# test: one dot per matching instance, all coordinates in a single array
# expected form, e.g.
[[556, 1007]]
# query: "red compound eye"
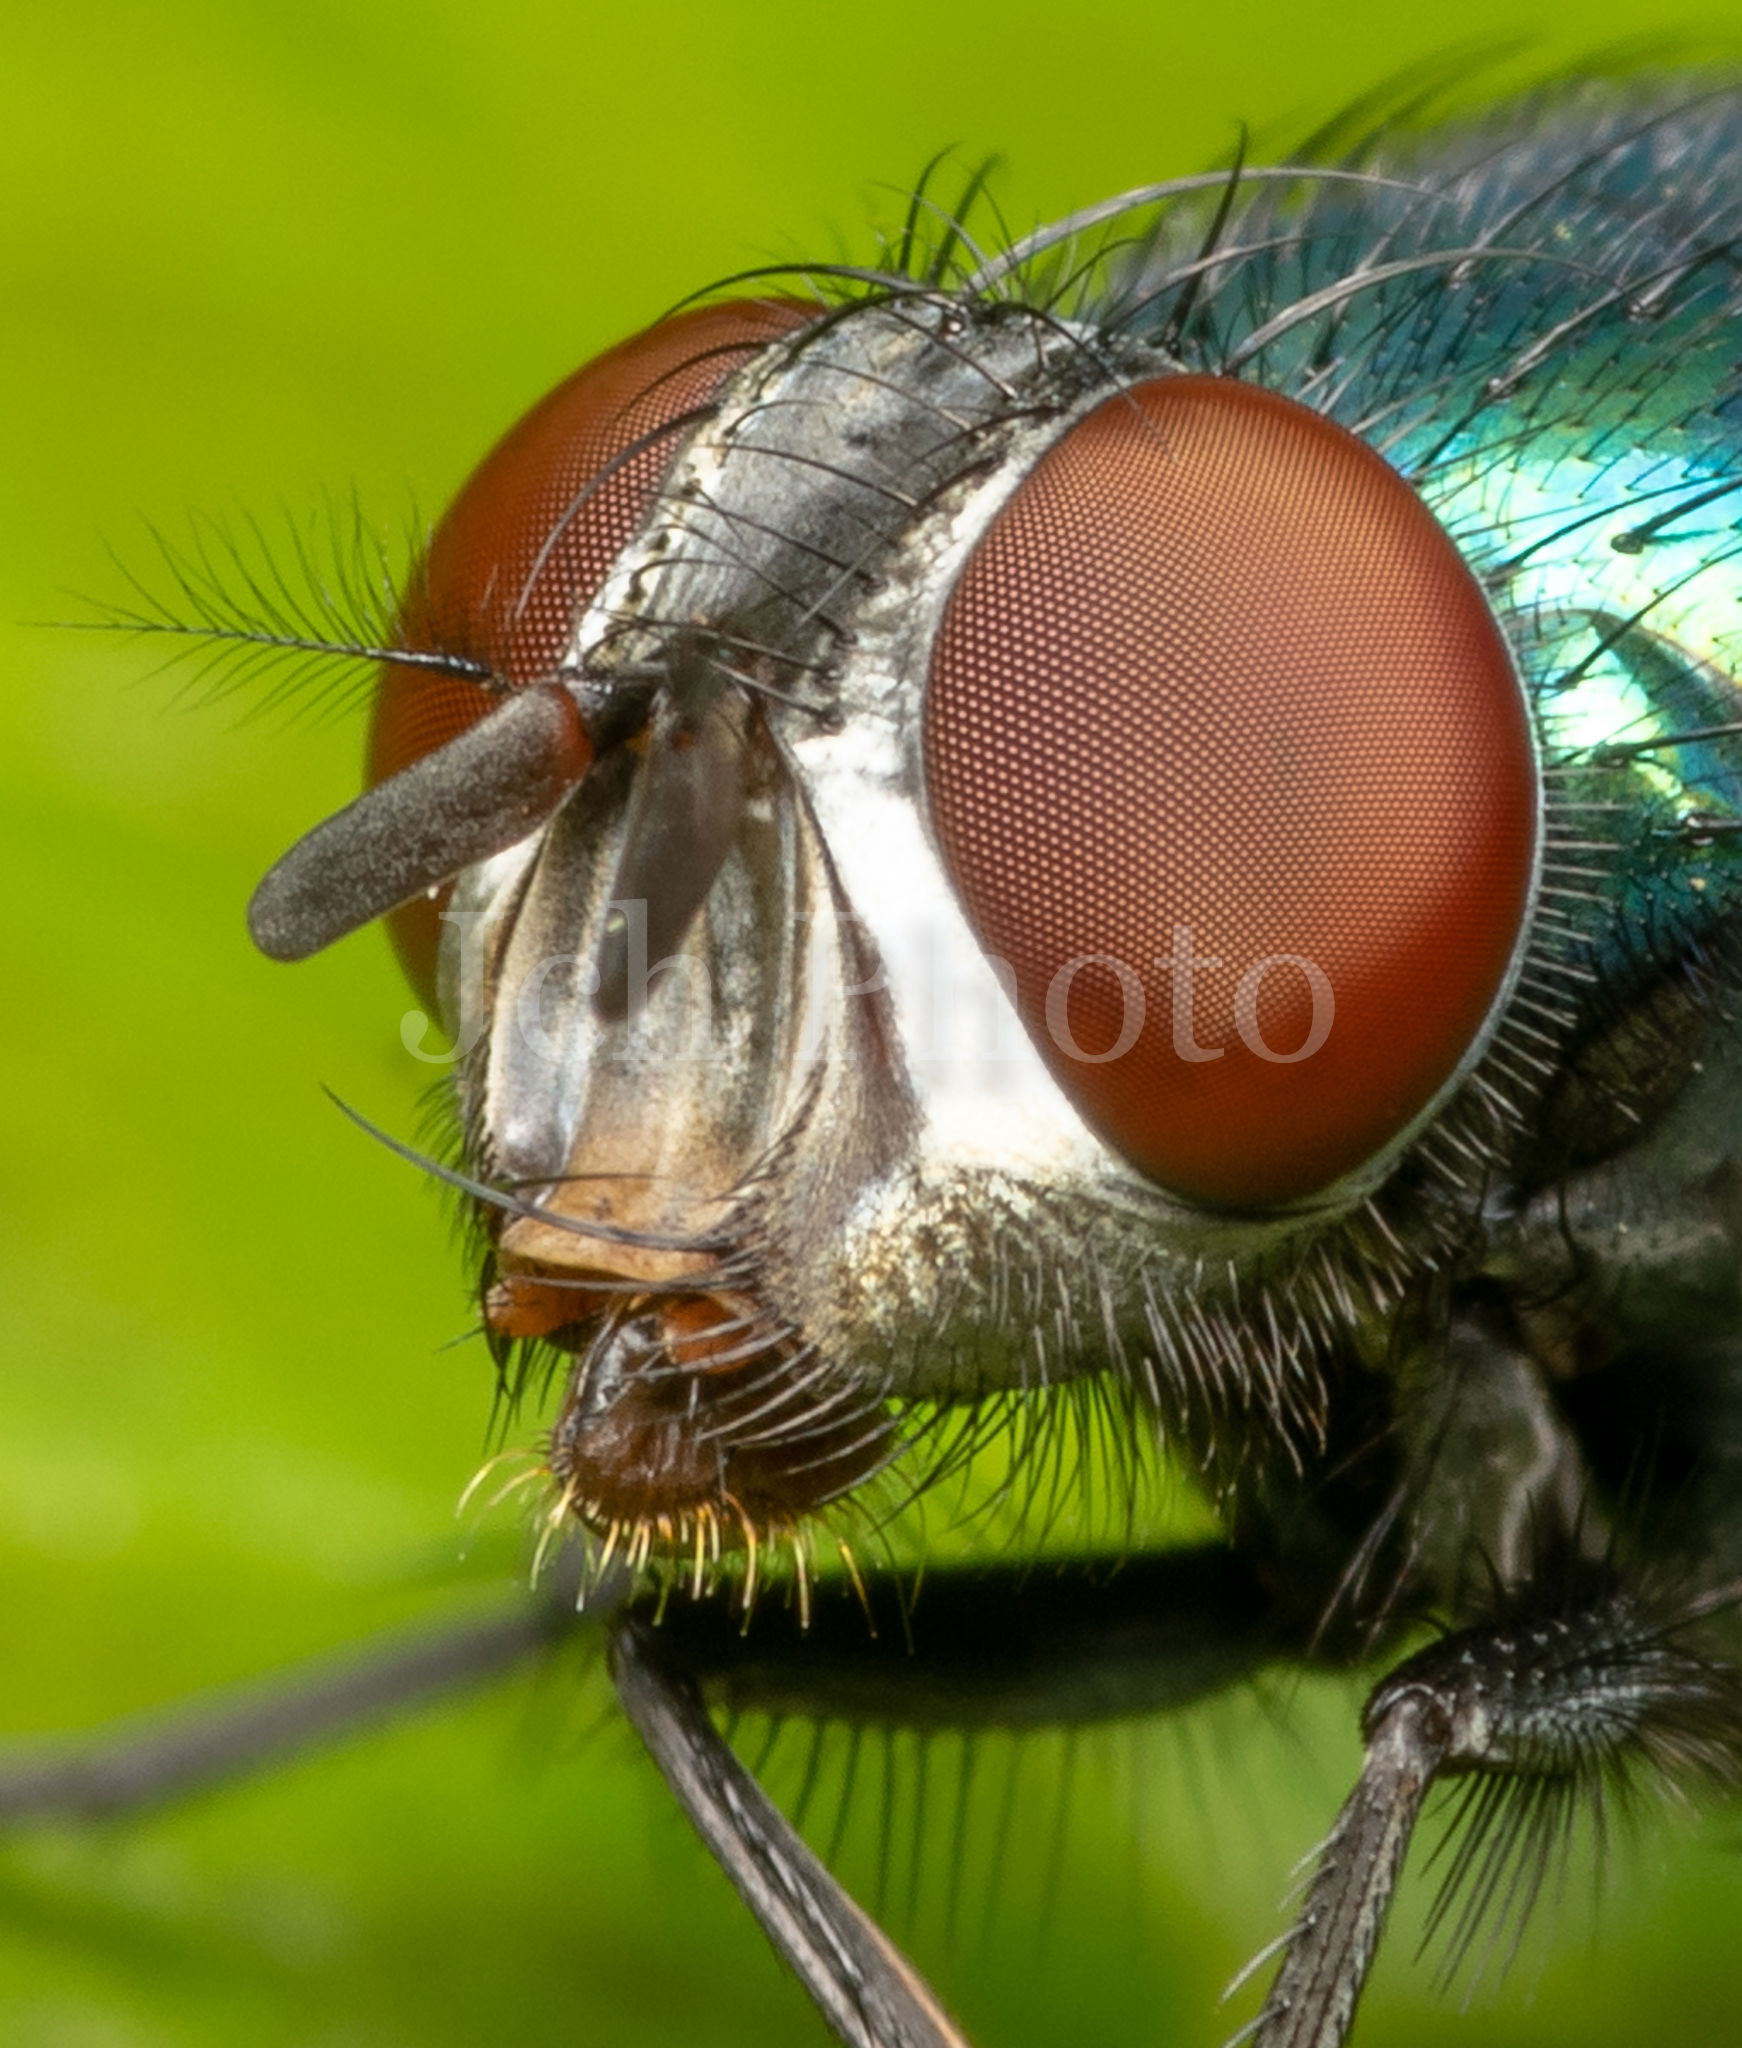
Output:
[[1228, 761], [526, 537]]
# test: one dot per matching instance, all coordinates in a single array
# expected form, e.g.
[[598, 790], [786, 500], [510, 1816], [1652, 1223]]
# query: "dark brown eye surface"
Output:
[[536, 526], [1228, 762]]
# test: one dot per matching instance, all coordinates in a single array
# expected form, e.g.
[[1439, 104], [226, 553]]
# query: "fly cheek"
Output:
[[1229, 764], [533, 533]]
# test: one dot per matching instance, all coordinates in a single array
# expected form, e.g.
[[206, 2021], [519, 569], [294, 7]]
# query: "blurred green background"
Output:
[[260, 254]]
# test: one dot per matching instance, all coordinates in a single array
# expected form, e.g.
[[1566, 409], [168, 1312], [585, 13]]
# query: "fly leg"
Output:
[[1011, 1647], [145, 1761], [1544, 1711], [866, 1989]]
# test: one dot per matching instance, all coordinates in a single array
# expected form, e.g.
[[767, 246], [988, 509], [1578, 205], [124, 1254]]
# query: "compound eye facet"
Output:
[[1229, 763], [537, 526]]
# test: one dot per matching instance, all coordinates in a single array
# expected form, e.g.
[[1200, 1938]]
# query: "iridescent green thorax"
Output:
[[1557, 373]]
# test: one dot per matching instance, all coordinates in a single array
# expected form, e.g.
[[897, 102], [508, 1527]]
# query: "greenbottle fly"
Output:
[[1158, 810]]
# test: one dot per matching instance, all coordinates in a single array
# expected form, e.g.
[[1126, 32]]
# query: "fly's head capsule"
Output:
[[955, 856]]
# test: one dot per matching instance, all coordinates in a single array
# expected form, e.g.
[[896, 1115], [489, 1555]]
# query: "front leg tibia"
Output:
[[1003, 1647], [1537, 1713]]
